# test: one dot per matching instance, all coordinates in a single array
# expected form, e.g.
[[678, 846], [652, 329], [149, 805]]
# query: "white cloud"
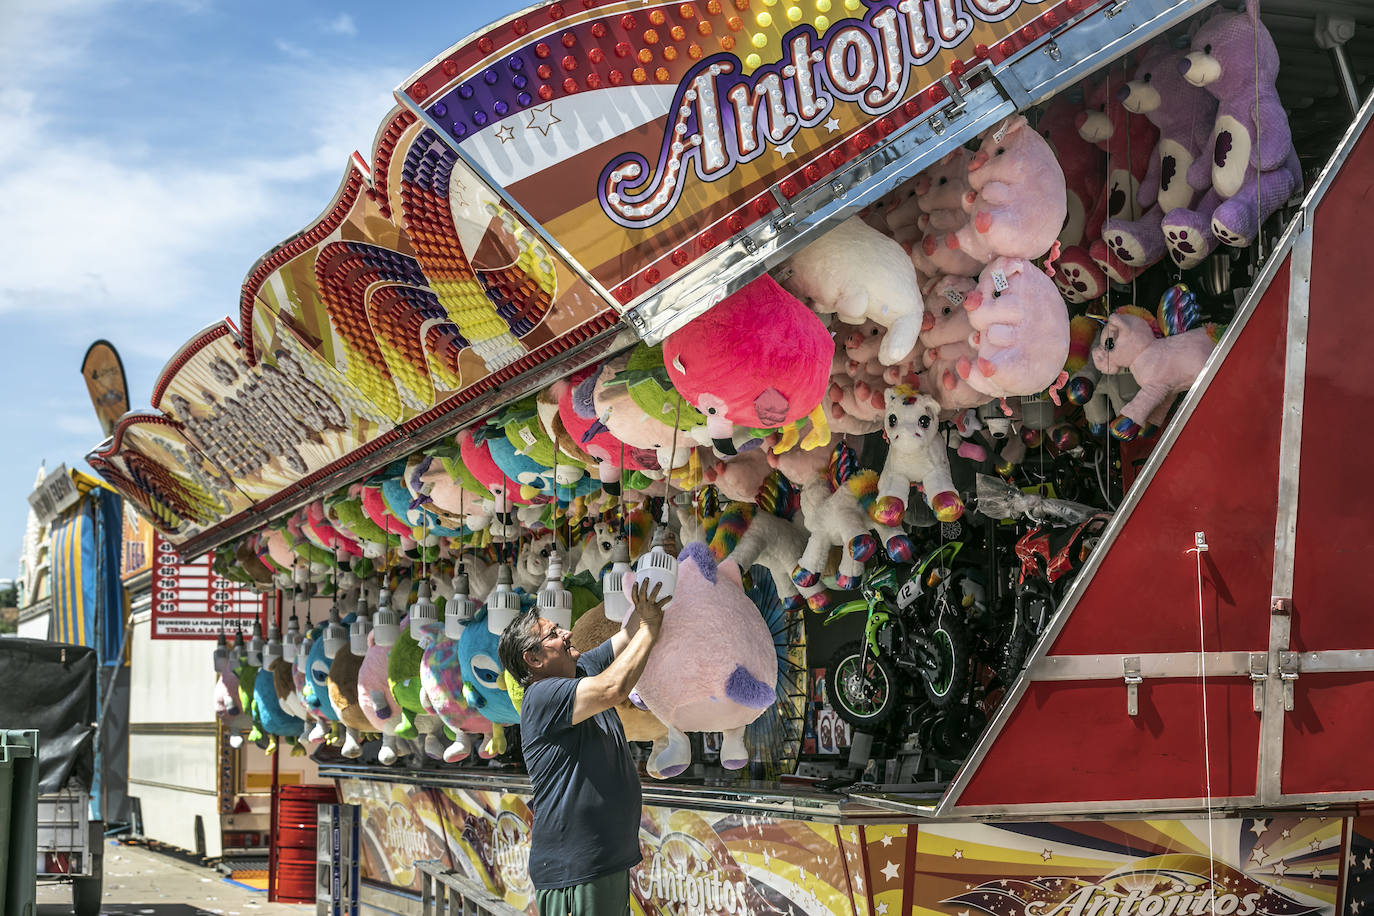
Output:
[[292, 50], [342, 25]]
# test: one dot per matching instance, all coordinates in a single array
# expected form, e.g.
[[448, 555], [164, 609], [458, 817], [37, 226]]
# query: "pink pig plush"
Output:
[[946, 342], [1162, 367], [1184, 114], [758, 359], [1016, 201], [1020, 329], [940, 192]]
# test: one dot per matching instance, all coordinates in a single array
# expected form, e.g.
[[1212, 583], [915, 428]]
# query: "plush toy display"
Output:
[[617, 410], [577, 410], [1163, 367], [272, 719], [1184, 114], [1020, 330], [376, 701], [758, 359], [1083, 167], [484, 680], [1253, 162], [441, 674], [859, 274], [714, 668], [1015, 202], [343, 696]]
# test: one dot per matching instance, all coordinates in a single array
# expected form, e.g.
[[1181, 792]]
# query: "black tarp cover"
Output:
[[51, 687]]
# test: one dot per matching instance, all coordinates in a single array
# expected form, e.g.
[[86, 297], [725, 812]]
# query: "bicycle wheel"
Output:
[[863, 688], [945, 677]]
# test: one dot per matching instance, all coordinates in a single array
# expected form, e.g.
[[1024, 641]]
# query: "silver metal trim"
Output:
[[1093, 808], [1270, 761], [1328, 661], [1148, 666], [1328, 175]]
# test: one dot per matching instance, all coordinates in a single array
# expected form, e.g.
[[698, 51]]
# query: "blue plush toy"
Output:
[[484, 682], [272, 719]]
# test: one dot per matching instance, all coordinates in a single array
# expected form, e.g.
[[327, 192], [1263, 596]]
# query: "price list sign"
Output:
[[191, 602]]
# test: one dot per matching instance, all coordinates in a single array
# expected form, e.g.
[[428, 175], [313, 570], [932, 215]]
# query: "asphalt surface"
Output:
[[141, 882]]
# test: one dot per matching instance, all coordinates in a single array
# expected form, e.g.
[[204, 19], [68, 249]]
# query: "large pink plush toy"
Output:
[[1020, 330], [1163, 367], [1184, 114], [1254, 167], [758, 359], [1015, 202], [946, 343], [916, 455], [376, 701], [714, 669], [859, 274]]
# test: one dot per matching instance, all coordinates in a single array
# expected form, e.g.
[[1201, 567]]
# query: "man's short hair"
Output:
[[521, 635]]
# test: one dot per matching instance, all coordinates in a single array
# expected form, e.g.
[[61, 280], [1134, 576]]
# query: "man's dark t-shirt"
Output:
[[587, 798]]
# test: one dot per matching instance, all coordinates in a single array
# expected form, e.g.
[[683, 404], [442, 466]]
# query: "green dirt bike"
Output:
[[915, 629]]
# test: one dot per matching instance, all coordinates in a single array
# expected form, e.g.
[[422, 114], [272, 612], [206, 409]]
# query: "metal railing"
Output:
[[444, 892]]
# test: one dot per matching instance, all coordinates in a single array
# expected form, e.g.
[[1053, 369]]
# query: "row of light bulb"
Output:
[[554, 603]]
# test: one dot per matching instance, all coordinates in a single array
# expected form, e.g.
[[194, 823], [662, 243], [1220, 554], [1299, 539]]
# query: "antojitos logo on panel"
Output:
[[511, 849], [1172, 885], [682, 875], [721, 117]]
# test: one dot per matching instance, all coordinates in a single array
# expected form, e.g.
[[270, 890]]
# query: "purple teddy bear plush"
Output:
[[1184, 114], [1254, 167]]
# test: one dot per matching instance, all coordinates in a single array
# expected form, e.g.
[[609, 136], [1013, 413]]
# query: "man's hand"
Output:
[[648, 605]]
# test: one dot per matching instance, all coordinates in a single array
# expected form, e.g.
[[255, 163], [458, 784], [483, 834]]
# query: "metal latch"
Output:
[[1131, 664], [1259, 673], [1117, 8], [1288, 673]]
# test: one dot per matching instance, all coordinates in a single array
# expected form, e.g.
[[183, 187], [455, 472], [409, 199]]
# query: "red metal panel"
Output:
[[1220, 477], [1074, 742], [1335, 515], [1326, 744]]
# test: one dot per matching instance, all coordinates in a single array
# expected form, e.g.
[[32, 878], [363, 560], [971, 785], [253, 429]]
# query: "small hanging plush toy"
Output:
[[758, 359], [916, 455], [1163, 367], [1253, 163], [940, 192], [376, 701], [945, 343], [714, 669]]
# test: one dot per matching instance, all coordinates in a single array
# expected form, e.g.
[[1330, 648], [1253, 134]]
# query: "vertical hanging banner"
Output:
[[104, 374], [192, 601], [88, 601]]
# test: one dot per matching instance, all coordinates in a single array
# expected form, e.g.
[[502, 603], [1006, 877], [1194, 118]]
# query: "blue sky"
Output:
[[150, 151]]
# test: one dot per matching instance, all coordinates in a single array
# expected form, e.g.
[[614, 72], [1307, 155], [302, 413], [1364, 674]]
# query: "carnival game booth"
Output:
[[971, 367]]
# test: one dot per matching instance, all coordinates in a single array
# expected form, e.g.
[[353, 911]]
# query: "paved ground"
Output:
[[140, 882]]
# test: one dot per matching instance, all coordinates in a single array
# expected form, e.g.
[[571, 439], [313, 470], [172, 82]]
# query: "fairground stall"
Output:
[[981, 375]]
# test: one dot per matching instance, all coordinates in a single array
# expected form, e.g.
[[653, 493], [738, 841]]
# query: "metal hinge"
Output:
[[1259, 673], [1288, 673], [1131, 666]]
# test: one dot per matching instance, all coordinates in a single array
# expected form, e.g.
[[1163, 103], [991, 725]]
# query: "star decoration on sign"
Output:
[[887, 839], [541, 119], [958, 853], [1316, 873], [1047, 855], [832, 125], [1315, 845], [1286, 833], [1258, 855], [882, 909], [505, 133], [1367, 862], [1279, 868], [890, 871], [1350, 858], [1259, 826], [1355, 905], [785, 149]]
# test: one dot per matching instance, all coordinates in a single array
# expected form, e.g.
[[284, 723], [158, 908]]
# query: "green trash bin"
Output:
[[18, 820]]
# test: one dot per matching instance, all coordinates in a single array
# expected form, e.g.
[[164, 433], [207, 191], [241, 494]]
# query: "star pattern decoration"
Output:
[[1046, 855], [1316, 873], [958, 853], [1259, 826], [1315, 845], [887, 839], [1258, 855], [1367, 862], [882, 909], [785, 149], [1279, 868], [505, 133], [832, 125], [541, 119], [890, 871], [1355, 905], [1286, 833]]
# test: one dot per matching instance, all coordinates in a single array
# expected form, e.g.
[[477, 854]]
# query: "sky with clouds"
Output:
[[150, 152]]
